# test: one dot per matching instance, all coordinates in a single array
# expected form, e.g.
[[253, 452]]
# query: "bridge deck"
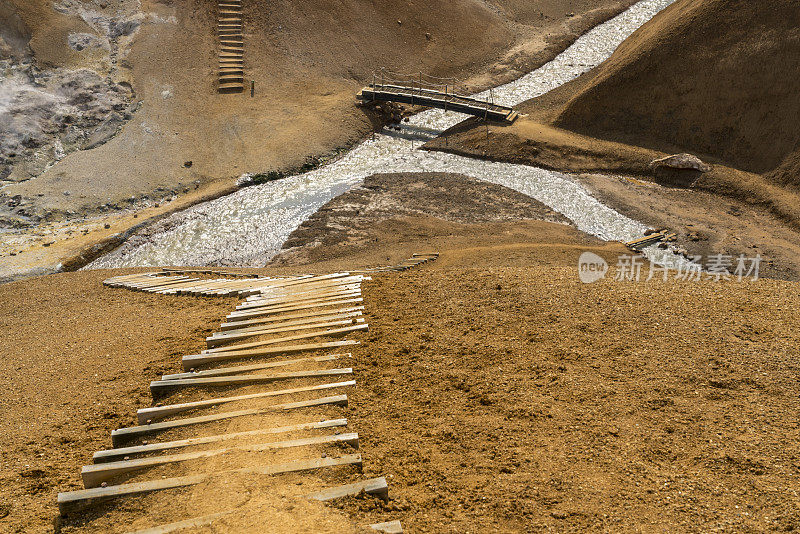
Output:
[[437, 99]]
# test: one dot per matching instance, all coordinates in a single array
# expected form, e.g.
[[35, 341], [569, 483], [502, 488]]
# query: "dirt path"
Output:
[[498, 392]]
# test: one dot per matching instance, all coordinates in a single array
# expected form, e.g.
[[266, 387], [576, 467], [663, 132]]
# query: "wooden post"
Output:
[[252, 88]]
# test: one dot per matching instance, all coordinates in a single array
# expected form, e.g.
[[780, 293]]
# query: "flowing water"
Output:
[[244, 228]]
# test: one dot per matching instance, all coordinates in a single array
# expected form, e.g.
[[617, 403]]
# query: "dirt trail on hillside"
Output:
[[496, 392]]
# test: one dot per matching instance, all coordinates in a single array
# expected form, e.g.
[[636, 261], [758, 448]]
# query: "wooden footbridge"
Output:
[[288, 333], [432, 94]]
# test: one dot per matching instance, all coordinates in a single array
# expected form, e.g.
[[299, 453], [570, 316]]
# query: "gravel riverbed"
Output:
[[243, 228]]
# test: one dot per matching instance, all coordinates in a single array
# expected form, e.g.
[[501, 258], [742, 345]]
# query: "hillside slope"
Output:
[[718, 78], [307, 59]]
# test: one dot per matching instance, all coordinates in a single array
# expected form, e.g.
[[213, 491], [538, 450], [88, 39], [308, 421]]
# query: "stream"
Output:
[[248, 227]]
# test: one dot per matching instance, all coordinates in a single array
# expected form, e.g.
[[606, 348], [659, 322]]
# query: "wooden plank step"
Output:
[[70, 500], [230, 88], [318, 300], [272, 311], [95, 474], [231, 79], [340, 290], [222, 371], [212, 342], [148, 415], [122, 435], [312, 315], [159, 386], [111, 455], [373, 486], [299, 294], [247, 330], [193, 361], [306, 285], [323, 333]]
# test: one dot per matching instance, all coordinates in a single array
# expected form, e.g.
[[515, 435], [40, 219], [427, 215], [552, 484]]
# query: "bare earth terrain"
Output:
[[497, 392], [713, 78], [179, 141]]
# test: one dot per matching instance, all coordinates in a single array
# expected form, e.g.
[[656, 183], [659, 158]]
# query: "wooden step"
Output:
[[68, 501], [157, 386], [193, 361], [230, 88], [95, 474], [122, 435], [146, 416], [111, 455], [373, 486]]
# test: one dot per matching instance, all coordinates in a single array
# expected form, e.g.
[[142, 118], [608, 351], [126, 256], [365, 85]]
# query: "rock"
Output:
[[119, 28], [82, 41], [105, 131], [681, 161]]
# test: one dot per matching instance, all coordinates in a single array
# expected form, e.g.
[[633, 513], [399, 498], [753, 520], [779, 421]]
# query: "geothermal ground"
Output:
[[394, 314]]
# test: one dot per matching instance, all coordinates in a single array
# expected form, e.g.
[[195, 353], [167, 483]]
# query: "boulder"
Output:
[[681, 161]]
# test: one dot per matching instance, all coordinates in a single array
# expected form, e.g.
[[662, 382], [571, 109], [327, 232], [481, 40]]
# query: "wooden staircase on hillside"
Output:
[[231, 46]]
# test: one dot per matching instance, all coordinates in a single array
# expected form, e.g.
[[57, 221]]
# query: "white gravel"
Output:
[[249, 226]]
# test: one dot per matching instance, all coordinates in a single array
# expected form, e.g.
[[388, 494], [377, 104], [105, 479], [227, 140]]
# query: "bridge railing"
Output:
[[385, 79]]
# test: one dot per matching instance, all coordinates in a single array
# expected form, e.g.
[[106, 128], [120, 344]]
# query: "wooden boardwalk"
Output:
[[230, 35], [286, 329], [433, 98]]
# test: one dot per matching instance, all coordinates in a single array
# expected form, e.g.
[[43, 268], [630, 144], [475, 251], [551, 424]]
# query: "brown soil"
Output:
[[496, 392], [725, 211], [77, 361], [308, 61], [348, 221], [678, 84], [716, 78]]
